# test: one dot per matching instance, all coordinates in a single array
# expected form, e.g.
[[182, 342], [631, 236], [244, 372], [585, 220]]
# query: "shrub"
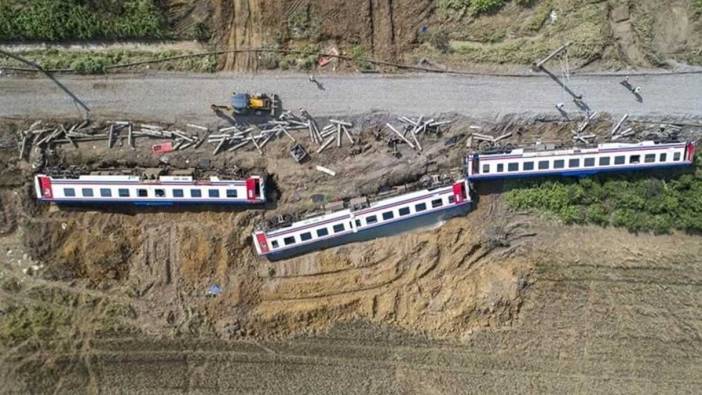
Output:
[[90, 65], [486, 6], [201, 32], [57, 20], [637, 203], [358, 54], [439, 39], [452, 5]]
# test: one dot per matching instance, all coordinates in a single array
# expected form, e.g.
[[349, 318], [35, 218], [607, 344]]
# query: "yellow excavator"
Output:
[[244, 103]]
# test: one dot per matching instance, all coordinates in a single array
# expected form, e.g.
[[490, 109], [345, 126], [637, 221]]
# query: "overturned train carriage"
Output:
[[138, 190], [384, 217], [605, 158]]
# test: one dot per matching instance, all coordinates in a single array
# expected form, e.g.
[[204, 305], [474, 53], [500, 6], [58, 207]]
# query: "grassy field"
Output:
[[96, 62], [640, 203], [57, 20]]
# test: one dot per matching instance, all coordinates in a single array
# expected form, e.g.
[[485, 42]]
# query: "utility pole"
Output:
[[51, 77]]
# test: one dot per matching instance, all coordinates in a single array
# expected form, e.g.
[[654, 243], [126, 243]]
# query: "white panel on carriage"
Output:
[[176, 179], [103, 178]]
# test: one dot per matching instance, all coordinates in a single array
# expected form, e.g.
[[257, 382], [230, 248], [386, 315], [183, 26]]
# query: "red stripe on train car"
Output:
[[459, 191], [45, 186], [251, 188], [262, 242]]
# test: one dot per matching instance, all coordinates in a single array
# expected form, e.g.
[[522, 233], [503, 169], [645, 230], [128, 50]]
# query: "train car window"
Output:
[[87, 192], [452, 198], [404, 211], [513, 167], [274, 244], [213, 193], [663, 157], [358, 223], [178, 193], [500, 167], [69, 192], [650, 158], [289, 240], [371, 220], [436, 203], [589, 162], [559, 163], [634, 159], [338, 228], [676, 156], [306, 236], [105, 192], [160, 193], [619, 160], [486, 168], [604, 161], [543, 165], [420, 207], [387, 215], [528, 166], [573, 163], [321, 232], [123, 192], [196, 193], [231, 193], [142, 193]]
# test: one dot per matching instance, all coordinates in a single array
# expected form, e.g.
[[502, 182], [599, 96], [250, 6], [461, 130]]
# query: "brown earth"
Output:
[[605, 33], [116, 298]]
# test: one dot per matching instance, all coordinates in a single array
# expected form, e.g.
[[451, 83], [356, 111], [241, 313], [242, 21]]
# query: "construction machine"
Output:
[[244, 104]]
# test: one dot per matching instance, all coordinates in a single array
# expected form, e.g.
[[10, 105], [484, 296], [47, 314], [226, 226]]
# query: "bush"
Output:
[[303, 25], [90, 65], [201, 32], [58, 20], [452, 5], [358, 54], [637, 203], [486, 6], [440, 40]]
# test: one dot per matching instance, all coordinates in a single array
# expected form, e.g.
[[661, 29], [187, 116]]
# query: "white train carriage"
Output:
[[166, 190], [610, 157], [382, 218]]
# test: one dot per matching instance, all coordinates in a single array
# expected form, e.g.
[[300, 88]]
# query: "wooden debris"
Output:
[[326, 170]]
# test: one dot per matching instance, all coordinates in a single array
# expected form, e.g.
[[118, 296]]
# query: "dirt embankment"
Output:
[[605, 34], [82, 289], [520, 303]]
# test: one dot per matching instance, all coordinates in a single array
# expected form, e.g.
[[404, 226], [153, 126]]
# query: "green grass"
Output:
[[96, 62], [638, 202], [446, 7], [486, 6], [59, 20]]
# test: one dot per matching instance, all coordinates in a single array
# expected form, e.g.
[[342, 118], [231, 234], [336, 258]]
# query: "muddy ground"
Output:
[[115, 299]]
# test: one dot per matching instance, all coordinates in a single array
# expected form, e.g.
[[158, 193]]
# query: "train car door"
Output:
[[473, 165], [45, 187], [262, 242], [253, 188], [690, 152], [459, 192]]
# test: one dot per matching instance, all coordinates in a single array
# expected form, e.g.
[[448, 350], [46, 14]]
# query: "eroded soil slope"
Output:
[[611, 33]]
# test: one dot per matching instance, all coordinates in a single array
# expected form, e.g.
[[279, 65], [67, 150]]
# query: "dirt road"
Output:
[[183, 97]]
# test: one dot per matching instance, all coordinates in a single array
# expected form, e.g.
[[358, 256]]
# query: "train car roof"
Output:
[[585, 150]]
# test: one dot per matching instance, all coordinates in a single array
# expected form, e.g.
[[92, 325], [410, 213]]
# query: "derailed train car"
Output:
[[178, 188]]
